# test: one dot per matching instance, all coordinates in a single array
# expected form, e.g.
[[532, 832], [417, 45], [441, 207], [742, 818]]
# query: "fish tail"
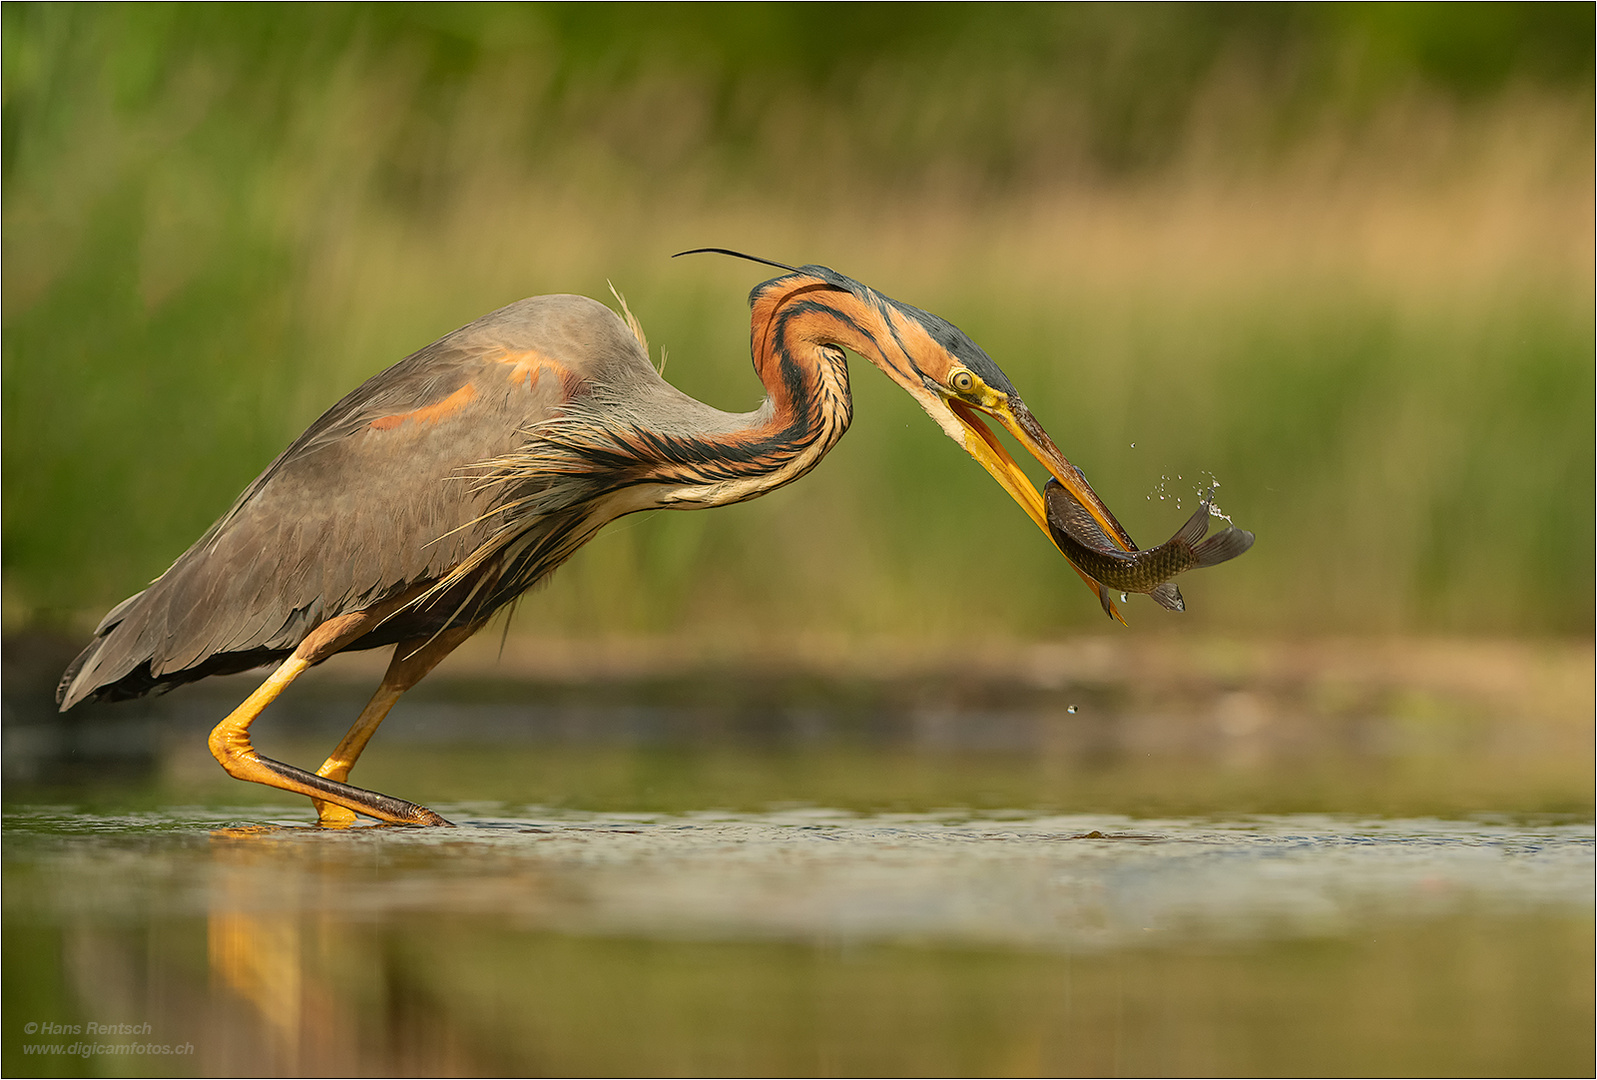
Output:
[[1222, 546], [1169, 597]]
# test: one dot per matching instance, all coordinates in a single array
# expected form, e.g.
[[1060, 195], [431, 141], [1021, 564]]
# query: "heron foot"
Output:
[[230, 740], [346, 797], [231, 747], [332, 816]]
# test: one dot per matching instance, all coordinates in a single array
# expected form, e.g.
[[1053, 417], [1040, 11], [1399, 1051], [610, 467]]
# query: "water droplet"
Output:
[[1122, 598], [1133, 446], [1071, 710]]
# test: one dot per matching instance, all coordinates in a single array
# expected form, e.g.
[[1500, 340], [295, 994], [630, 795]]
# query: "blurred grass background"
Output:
[[1339, 257]]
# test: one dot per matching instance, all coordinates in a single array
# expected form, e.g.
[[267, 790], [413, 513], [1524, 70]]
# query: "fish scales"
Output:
[[1135, 572]]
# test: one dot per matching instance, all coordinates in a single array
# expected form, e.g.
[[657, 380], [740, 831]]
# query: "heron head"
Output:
[[949, 375], [957, 384]]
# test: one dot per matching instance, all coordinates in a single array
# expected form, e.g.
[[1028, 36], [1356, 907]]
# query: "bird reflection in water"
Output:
[[253, 940]]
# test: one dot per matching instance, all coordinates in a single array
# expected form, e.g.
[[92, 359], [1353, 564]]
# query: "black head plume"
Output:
[[736, 255]]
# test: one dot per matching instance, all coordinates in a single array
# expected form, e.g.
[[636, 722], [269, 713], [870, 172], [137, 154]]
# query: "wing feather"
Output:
[[368, 501]]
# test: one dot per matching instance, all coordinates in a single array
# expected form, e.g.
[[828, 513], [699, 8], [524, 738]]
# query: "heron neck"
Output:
[[807, 409]]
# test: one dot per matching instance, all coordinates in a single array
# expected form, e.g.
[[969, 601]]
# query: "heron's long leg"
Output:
[[412, 660], [230, 740]]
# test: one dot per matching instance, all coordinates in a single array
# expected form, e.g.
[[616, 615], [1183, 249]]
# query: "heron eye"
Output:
[[963, 381]]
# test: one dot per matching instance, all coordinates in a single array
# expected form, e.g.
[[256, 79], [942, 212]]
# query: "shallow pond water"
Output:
[[802, 941], [1164, 871]]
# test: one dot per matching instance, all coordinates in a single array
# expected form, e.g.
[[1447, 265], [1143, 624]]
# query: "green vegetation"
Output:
[[1339, 257]]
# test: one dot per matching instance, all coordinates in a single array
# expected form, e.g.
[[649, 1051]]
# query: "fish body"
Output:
[[1084, 542]]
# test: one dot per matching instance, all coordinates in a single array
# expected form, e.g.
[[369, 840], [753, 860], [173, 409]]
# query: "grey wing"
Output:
[[369, 500]]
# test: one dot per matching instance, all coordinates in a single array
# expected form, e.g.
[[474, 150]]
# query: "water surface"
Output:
[[802, 940], [1318, 863]]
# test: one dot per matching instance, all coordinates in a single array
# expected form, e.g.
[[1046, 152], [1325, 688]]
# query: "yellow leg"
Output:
[[230, 740], [412, 660]]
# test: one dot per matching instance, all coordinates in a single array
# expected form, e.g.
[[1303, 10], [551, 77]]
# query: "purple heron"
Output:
[[447, 485]]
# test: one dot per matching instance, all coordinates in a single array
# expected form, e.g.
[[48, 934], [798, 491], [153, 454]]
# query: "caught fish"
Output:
[[1083, 541]]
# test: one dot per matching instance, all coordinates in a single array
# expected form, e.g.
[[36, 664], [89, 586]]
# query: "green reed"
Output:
[[1362, 302]]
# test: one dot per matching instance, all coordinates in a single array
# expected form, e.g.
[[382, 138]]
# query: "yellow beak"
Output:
[[983, 445]]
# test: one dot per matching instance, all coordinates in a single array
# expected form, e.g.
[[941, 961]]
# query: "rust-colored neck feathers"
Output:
[[796, 325], [799, 326]]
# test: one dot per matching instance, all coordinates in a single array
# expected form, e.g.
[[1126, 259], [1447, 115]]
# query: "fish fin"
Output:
[[1169, 596], [1106, 597], [1198, 524], [1107, 600], [1222, 546], [1066, 513]]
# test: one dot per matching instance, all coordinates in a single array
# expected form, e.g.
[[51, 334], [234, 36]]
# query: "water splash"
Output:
[[1212, 486], [1161, 490], [1165, 490]]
